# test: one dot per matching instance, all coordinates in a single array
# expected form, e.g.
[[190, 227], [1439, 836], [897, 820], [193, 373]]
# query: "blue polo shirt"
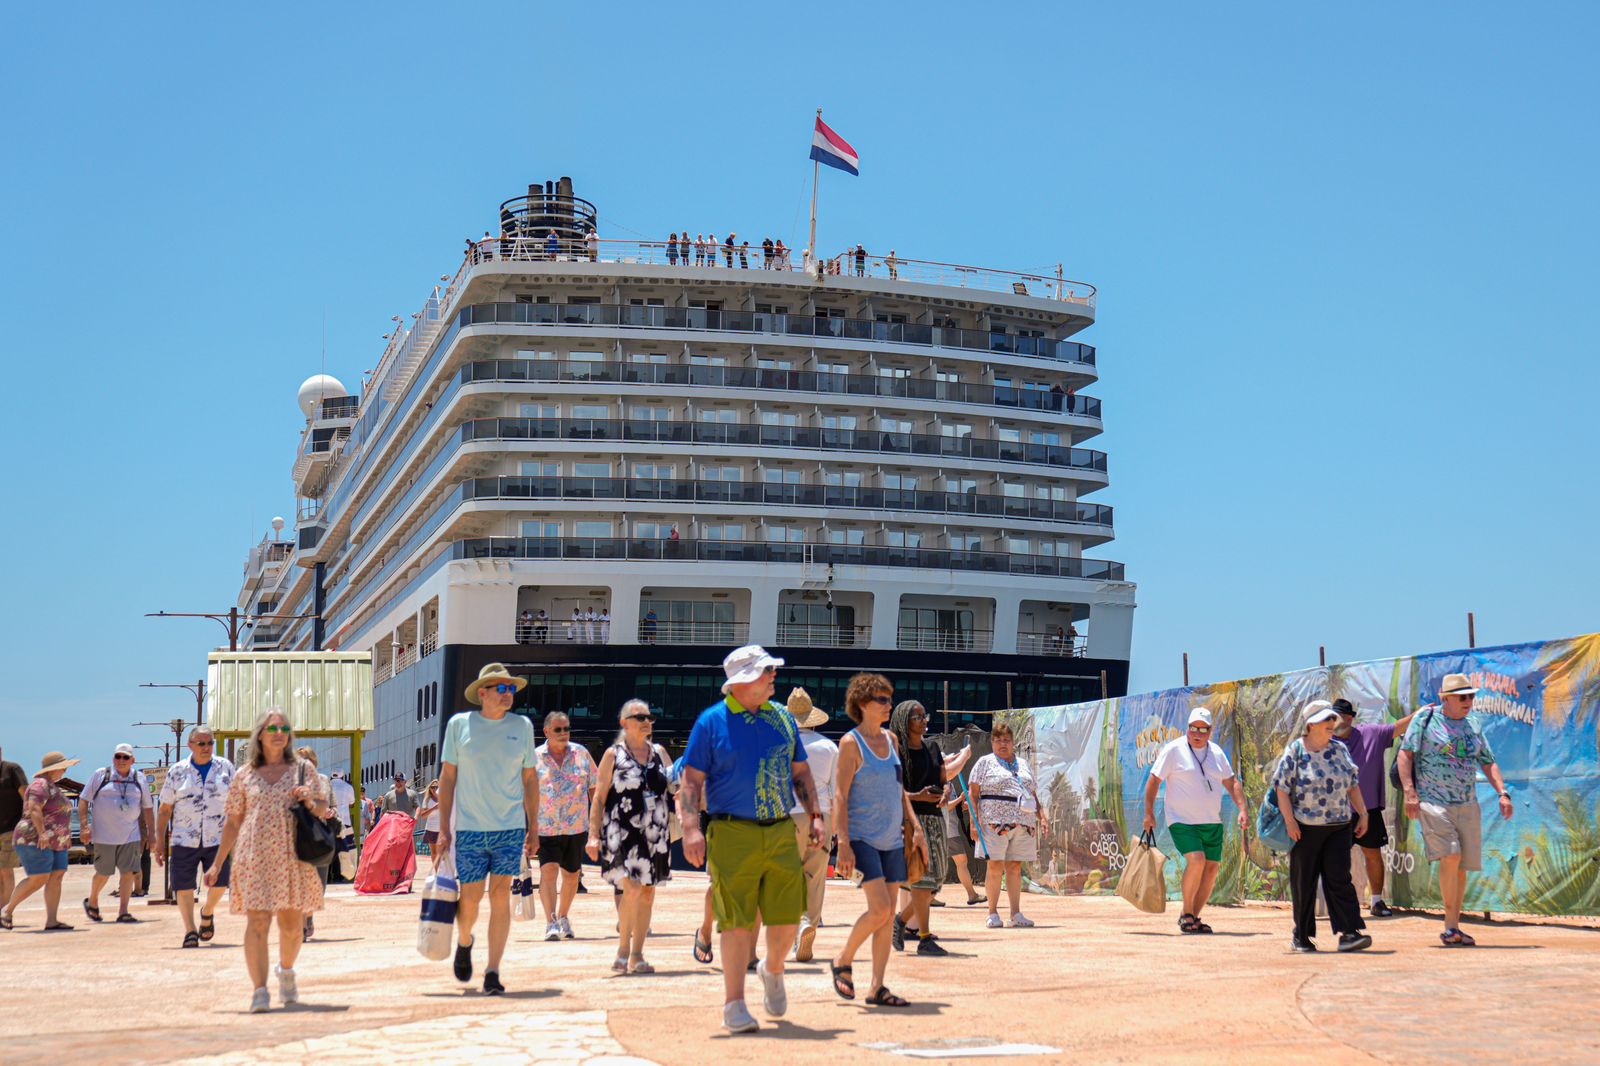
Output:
[[747, 758]]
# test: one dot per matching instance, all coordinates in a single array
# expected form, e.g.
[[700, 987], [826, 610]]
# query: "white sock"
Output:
[[1375, 898]]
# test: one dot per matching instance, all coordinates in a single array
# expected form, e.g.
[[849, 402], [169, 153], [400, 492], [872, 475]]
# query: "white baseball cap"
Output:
[[1318, 711], [1200, 714], [747, 664], [124, 749]]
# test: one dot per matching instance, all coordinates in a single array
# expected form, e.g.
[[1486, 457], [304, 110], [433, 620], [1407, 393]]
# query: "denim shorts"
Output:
[[479, 854], [38, 861], [878, 865]]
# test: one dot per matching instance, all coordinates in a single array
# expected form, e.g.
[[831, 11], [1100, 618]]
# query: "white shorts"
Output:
[[1456, 830]]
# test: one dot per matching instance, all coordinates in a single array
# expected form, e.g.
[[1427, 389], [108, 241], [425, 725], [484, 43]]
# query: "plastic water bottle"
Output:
[[436, 931]]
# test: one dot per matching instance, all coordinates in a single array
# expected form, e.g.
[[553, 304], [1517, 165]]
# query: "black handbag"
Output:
[[1394, 767], [316, 840]]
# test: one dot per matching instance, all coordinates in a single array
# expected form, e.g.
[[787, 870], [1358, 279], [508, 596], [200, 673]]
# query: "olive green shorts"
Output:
[[755, 872]]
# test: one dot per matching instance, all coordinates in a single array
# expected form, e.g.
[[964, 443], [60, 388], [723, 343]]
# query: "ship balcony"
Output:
[[725, 634], [706, 320], [1060, 643], [953, 639], [1083, 461]]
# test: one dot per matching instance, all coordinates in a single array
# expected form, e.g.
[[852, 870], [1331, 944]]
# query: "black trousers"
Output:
[[1323, 855]]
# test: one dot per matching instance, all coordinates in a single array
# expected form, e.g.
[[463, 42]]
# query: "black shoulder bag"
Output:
[[1394, 767], [315, 839]]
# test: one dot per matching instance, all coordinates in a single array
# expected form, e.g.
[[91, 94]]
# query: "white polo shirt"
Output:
[[1194, 781], [822, 755]]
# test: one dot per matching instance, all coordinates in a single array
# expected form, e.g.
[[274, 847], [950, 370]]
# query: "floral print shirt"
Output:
[[1448, 753], [564, 790], [1318, 783], [46, 796], [199, 804]]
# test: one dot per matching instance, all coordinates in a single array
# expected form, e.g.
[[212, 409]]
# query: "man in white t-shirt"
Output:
[[344, 801], [1196, 772], [822, 755], [117, 816]]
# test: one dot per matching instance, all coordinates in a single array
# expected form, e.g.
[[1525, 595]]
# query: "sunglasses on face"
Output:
[[559, 729], [640, 718], [203, 743], [1199, 729], [123, 758], [276, 729], [505, 689], [876, 699]]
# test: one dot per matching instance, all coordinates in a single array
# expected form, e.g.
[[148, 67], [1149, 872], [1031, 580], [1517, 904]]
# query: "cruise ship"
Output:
[[607, 463]]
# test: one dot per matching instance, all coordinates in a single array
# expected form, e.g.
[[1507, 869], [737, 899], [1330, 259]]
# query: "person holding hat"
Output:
[[117, 814], [488, 797], [822, 756], [1367, 743], [1438, 764], [1196, 772], [42, 840], [1316, 785], [746, 761]]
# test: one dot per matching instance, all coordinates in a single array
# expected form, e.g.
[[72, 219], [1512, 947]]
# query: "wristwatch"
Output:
[[1505, 795]]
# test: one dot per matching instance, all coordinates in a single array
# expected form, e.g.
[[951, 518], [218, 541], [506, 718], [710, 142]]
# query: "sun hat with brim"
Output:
[[806, 714], [1318, 711], [493, 674], [747, 664], [1457, 685], [55, 760]]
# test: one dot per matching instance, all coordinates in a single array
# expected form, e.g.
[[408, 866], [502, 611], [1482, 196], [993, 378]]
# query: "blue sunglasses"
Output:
[[505, 689]]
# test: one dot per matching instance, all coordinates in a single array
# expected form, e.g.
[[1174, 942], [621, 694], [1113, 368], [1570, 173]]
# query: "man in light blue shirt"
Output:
[[488, 797]]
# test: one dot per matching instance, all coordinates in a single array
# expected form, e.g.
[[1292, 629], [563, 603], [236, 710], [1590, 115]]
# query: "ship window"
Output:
[[847, 536], [590, 410], [541, 528], [591, 469], [591, 529]]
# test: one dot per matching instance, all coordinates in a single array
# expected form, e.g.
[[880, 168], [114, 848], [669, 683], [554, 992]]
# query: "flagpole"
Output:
[[816, 171]]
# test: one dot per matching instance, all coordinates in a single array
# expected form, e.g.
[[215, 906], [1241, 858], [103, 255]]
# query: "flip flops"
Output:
[[92, 912], [702, 950], [57, 927]]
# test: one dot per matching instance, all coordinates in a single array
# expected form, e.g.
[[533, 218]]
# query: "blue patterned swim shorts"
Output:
[[479, 854]]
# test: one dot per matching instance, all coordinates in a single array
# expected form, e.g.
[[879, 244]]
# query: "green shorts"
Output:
[[1193, 838], [755, 871]]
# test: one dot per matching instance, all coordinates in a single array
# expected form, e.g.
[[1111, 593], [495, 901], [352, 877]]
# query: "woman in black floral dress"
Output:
[[628, 832]]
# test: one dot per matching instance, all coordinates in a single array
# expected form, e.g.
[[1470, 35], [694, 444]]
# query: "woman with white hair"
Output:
[[268, 882], [1317, 787], [628, 830]]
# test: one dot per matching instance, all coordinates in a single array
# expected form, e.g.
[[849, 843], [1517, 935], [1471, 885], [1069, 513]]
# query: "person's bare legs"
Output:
[[643, 905], [709, 919], [125, 891], [876, 918], [738, 946], [291, 927], [548, 890], [257, 924], [993, 875], [186, 908], [1194, 872], [626, 909], [8, 885], [1452, 889], [28, 887], [52, 896], [569, 892], [467, 912], [1373, 857], [780, 941], [1014, 887], [213, 897], [964, 874], [1208, 882], [499, 919], [881, 942], [97, 885], [921, 908]]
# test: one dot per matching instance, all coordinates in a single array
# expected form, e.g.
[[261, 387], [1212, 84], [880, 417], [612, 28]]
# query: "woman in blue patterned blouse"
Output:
[[1318, 791]]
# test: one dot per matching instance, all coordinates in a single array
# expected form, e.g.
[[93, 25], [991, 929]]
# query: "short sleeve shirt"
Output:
[[344, 797], [822, 755], [564, 790], [1193, 781], [489, 756], [1318, 783], [199, 804], [747, 757], [12, 783], [1006, 793], [57, 811], [1367, 743], [1448, 754], [115, 811]]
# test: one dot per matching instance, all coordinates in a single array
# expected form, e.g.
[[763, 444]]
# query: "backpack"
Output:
[[105, 779]]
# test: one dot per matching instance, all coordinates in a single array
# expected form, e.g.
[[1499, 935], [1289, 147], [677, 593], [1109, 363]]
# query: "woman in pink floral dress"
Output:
[[267, 878]]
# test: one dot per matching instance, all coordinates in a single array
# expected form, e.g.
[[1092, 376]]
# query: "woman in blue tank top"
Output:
[[869, 807]]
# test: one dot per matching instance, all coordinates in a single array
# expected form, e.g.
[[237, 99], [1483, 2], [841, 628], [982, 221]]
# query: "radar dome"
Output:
[[317, 388]]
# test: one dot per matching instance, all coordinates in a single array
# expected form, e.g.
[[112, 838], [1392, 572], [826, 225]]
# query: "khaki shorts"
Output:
[[1454, 830], [755, 870], [112, 859], [1019, 844], [8, 852]]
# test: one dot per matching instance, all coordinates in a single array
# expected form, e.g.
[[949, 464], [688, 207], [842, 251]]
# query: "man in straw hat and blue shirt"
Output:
[[1438, 762], [488, 796], [746, 760]]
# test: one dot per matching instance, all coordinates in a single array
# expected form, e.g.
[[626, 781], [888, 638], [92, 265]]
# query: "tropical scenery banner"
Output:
[[1537, 705]]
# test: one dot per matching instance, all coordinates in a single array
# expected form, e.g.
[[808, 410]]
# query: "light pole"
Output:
[[199, 691], [231, 619]]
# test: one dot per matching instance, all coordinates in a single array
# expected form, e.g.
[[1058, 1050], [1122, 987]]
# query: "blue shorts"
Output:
[[186, 863], [38, 861], [878, 865], [480, 854]]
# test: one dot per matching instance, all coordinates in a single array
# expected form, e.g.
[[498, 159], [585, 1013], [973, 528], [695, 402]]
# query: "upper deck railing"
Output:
[[1054, 286]]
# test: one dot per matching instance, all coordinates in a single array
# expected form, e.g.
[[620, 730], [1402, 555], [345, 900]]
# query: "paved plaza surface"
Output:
[[1096, 980]]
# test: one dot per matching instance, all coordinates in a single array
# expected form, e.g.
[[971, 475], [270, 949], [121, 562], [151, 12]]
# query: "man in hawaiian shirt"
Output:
[[194, 802], [567, 780]]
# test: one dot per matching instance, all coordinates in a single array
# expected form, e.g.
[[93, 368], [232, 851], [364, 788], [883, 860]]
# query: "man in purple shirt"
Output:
[[1367, 743]]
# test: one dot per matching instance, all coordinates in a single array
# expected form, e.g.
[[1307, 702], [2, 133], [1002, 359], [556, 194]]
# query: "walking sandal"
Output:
[[844, 982], [885, 998]]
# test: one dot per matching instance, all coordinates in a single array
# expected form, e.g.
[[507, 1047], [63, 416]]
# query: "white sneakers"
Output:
[[774, 998], [566, 927], [260, 1002], [995, 922], [1020, 921], [736, 1018], [288, 992], [553, 930], [803, 945]]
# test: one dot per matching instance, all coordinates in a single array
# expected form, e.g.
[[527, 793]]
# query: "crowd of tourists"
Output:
[[761, 799]]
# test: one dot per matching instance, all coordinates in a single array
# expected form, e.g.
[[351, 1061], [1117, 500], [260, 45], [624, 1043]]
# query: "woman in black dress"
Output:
[[628, 832]]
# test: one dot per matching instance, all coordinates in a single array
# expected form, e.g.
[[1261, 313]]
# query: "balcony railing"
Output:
[[807, 635], [705, 319], [638, 430], [809, 381], [564, 631], [1050, 642], [686, 254], [657, 631], [781, 495], [919, 639], [619, 549]]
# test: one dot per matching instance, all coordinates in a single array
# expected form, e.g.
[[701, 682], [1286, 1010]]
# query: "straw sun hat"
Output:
[[808, 715]]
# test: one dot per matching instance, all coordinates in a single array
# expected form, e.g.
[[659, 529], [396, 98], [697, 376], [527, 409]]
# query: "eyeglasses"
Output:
[[640, 718], [123, 758], [919, 716], [203, 743], [276, 729], [505, 689], [559, 729]]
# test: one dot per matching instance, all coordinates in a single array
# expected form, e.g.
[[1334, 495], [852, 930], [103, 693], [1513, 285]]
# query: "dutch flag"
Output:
[[830, 148]]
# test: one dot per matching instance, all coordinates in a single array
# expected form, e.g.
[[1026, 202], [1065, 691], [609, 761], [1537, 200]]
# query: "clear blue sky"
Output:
[[1346, 257]]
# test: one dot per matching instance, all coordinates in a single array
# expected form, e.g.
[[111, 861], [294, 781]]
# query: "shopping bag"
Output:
[[1270, 827], [524, 903], [1144, 881], [440, 896]]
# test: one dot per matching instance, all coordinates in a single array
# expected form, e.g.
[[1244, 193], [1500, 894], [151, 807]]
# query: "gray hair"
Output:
[[553, 715], [622, 730], [199, 730]]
